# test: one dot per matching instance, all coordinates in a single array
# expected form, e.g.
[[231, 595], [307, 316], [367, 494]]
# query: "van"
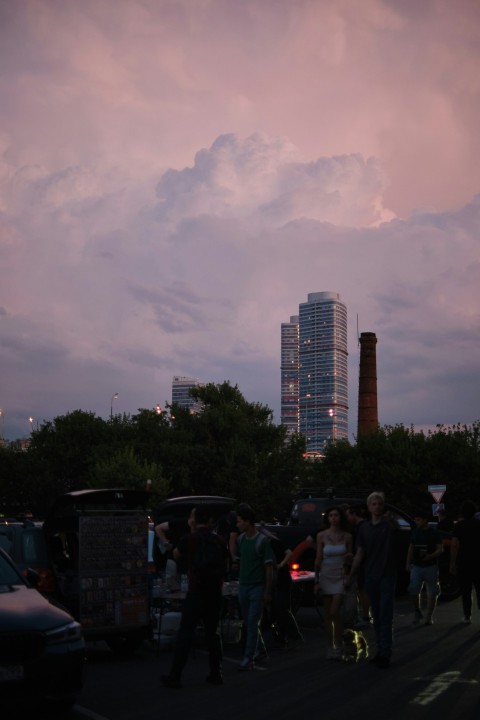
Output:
[[98, 545]]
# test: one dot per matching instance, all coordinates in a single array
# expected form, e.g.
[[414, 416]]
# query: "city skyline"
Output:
[[314, 371], [174, 177]]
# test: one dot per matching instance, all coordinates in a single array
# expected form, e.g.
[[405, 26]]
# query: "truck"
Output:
[[97, 542]]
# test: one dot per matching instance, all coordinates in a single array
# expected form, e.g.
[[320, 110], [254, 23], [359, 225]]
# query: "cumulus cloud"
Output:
[[261, 177], [176, 178]]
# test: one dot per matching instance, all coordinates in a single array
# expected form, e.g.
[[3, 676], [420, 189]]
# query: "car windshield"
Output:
[[8, 574]]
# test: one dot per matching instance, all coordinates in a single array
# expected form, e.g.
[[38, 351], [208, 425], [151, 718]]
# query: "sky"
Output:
[[176, 176]]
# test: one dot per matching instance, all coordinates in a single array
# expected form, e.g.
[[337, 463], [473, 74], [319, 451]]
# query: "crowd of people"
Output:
[[355, 574]]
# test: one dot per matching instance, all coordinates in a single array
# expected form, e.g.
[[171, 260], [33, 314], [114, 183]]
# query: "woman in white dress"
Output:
[[334, 551]]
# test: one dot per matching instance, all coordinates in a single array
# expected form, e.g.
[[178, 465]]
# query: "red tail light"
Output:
[[46, 583], [295, 566]]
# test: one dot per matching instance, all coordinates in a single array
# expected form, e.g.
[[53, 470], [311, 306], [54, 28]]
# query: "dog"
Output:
[[355, 646]]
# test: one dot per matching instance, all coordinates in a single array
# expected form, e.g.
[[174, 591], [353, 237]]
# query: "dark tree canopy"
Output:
[[232, 447]]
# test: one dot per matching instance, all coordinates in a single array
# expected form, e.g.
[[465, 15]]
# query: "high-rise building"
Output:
[[322, 370], [289, 375], [181, 386]]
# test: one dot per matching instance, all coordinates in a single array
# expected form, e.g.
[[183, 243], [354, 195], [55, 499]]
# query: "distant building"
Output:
[[320, 378], [181, 386]]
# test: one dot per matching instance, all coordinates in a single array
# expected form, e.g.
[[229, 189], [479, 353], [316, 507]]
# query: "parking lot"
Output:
[[434, 673]]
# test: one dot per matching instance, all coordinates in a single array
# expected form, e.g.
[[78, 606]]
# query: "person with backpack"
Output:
[[255, 584], [205, 556]]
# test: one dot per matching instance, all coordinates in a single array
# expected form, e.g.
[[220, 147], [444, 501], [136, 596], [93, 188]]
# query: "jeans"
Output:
[[251, 607], [428, 575], [381, 593], [199, 606]]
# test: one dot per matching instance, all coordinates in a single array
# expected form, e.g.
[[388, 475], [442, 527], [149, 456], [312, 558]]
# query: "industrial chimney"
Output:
[[367, 386]]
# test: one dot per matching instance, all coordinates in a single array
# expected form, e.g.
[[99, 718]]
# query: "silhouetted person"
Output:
[[465, 557]]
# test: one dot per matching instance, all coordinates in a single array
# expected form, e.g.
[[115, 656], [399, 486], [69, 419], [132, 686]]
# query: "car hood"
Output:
[[24, 608]]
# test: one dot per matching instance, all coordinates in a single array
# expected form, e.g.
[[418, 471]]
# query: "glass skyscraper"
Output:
[[289, 375], [322, 371]]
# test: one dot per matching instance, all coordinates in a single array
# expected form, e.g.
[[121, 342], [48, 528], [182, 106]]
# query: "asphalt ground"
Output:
[[434, 674]]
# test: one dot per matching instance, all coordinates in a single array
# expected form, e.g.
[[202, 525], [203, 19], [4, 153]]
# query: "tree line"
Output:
[[233, 448]]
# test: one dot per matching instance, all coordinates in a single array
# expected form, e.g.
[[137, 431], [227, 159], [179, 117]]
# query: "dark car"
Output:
[[181, 507], [42, 648], [24, 541]]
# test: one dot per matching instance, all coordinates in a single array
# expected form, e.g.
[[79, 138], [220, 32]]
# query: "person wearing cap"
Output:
[[422, 563]]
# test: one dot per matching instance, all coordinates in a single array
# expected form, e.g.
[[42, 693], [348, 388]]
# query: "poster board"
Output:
[[113, 583]]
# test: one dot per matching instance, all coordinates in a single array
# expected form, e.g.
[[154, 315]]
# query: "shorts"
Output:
[[428, 575]]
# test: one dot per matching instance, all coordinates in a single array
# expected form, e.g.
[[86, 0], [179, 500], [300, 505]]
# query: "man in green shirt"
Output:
[[255, 583]]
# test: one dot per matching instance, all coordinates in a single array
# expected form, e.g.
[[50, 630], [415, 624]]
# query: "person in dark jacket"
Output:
[[377, 545], [465, 557], [204, 597]]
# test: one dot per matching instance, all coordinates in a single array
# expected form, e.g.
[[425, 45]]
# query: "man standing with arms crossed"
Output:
[[376, 542]]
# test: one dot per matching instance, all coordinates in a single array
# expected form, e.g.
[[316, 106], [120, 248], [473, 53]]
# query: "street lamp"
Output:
[[114, 397], [32, 420]]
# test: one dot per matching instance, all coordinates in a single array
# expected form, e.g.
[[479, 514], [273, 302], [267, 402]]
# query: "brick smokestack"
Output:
[[367, 386]]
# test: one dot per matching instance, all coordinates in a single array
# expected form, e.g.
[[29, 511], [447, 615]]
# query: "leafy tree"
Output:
[[403, 464], [232, 447], [126, 470]]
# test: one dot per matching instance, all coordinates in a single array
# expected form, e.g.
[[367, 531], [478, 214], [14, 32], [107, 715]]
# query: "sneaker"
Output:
[[428, 621], [467, 620], [214, 679], [418, 615], [246, 665], [260, 657], [170, 682]]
